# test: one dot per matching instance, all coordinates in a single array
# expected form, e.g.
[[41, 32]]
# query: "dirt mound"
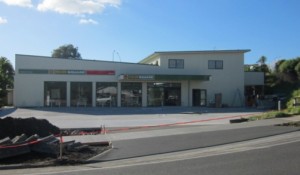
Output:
[[11, 127]]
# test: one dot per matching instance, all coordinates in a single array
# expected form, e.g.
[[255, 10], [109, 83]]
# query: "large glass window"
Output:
[[155, 94], [106, 94], [81, 94], [55, 93], [131, 94], [164, 94]]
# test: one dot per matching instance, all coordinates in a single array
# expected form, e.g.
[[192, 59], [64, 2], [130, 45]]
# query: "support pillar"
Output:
[[68, 94]]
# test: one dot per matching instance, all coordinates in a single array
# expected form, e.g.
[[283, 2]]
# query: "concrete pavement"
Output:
[[176, 130], [129, 117], [172, 139], [157, 140]]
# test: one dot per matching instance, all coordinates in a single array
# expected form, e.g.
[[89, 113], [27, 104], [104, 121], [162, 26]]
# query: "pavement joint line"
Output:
[[91, 160]]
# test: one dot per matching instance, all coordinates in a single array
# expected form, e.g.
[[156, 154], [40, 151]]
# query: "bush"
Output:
[[280, 114], [294, 111], [290, 103], [269, 115]]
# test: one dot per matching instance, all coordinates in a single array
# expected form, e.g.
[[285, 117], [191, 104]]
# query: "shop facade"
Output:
[[181, 78]]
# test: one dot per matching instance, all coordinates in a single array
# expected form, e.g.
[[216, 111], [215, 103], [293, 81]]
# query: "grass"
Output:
[[277, 114]]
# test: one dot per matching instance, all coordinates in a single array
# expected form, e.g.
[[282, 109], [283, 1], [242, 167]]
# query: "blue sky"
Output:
[[137, 28]]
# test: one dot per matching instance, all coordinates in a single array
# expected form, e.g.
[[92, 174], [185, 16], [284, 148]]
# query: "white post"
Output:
[[279, 105]]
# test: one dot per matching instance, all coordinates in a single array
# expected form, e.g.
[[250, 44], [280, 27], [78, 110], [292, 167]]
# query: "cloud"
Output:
[[77, 7], [21, 3], [87, 21], [3, 20]]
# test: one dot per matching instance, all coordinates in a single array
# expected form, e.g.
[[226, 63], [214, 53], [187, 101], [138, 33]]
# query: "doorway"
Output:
[[199, 97]]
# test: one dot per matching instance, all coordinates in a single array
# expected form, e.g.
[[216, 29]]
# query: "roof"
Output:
[[192, 52], [47, 57]]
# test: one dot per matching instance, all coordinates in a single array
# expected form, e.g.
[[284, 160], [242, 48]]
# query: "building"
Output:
[[180, 78]]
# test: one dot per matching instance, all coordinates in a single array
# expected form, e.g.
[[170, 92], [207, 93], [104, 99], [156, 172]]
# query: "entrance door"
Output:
[[172, 96], [199, 97]]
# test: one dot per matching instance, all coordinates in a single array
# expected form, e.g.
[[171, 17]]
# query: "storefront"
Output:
[[188, 78]]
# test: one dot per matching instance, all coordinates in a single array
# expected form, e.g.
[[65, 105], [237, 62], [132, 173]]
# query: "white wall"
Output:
[[29, 88], [226, 81]]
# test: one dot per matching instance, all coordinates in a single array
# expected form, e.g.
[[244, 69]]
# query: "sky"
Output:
[[130, 30]]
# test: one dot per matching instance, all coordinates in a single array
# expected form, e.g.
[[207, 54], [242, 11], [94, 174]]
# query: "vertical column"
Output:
[[94, 94], [119, 94], [68, 94], [144, 94], [189, 93]]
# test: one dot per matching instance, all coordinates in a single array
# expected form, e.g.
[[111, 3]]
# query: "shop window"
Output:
[[81, 94], [215, 64], [131, 94], [106, 94], [163, 94], [55, 94], [176, 63]]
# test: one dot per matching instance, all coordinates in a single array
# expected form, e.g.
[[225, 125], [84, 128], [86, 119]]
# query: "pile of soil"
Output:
[[11, 127], [68, 158]]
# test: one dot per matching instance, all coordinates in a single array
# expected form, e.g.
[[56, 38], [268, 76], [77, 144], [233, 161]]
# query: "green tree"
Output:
[[277, 65], [66, 51], [297, 68], [287, 71], [263, 67], [6, 77], [262, 60]]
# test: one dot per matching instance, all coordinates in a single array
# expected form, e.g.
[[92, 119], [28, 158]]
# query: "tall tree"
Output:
[[287, 71], [262, 64], [297, 68], [66, 51], [6, 76], [262, 60], [277, 65]]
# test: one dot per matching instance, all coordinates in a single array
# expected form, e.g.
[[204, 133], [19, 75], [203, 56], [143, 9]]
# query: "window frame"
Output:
[[176, 63], [215, 64]]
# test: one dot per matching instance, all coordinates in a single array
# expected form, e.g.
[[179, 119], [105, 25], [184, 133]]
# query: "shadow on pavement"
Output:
[[142, 110], [6, 111]]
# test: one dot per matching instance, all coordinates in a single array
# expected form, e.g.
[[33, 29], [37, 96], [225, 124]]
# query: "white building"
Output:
[[180, 78]]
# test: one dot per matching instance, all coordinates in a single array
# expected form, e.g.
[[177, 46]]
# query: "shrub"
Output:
[[294, 111], [296, 93], [269, 115]]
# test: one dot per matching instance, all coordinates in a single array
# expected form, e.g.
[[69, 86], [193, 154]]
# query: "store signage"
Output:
[[67, 72], [100, 72], [136, 77], [162, 77]]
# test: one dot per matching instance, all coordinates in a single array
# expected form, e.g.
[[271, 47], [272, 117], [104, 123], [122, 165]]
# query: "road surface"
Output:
[[274, 155]]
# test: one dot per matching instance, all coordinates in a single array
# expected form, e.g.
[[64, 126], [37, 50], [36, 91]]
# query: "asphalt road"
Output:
[[276, 160], [279, 154], [279, 160], [159, 145]]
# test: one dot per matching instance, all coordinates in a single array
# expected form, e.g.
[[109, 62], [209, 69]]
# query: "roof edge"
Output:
[[193, 52]]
